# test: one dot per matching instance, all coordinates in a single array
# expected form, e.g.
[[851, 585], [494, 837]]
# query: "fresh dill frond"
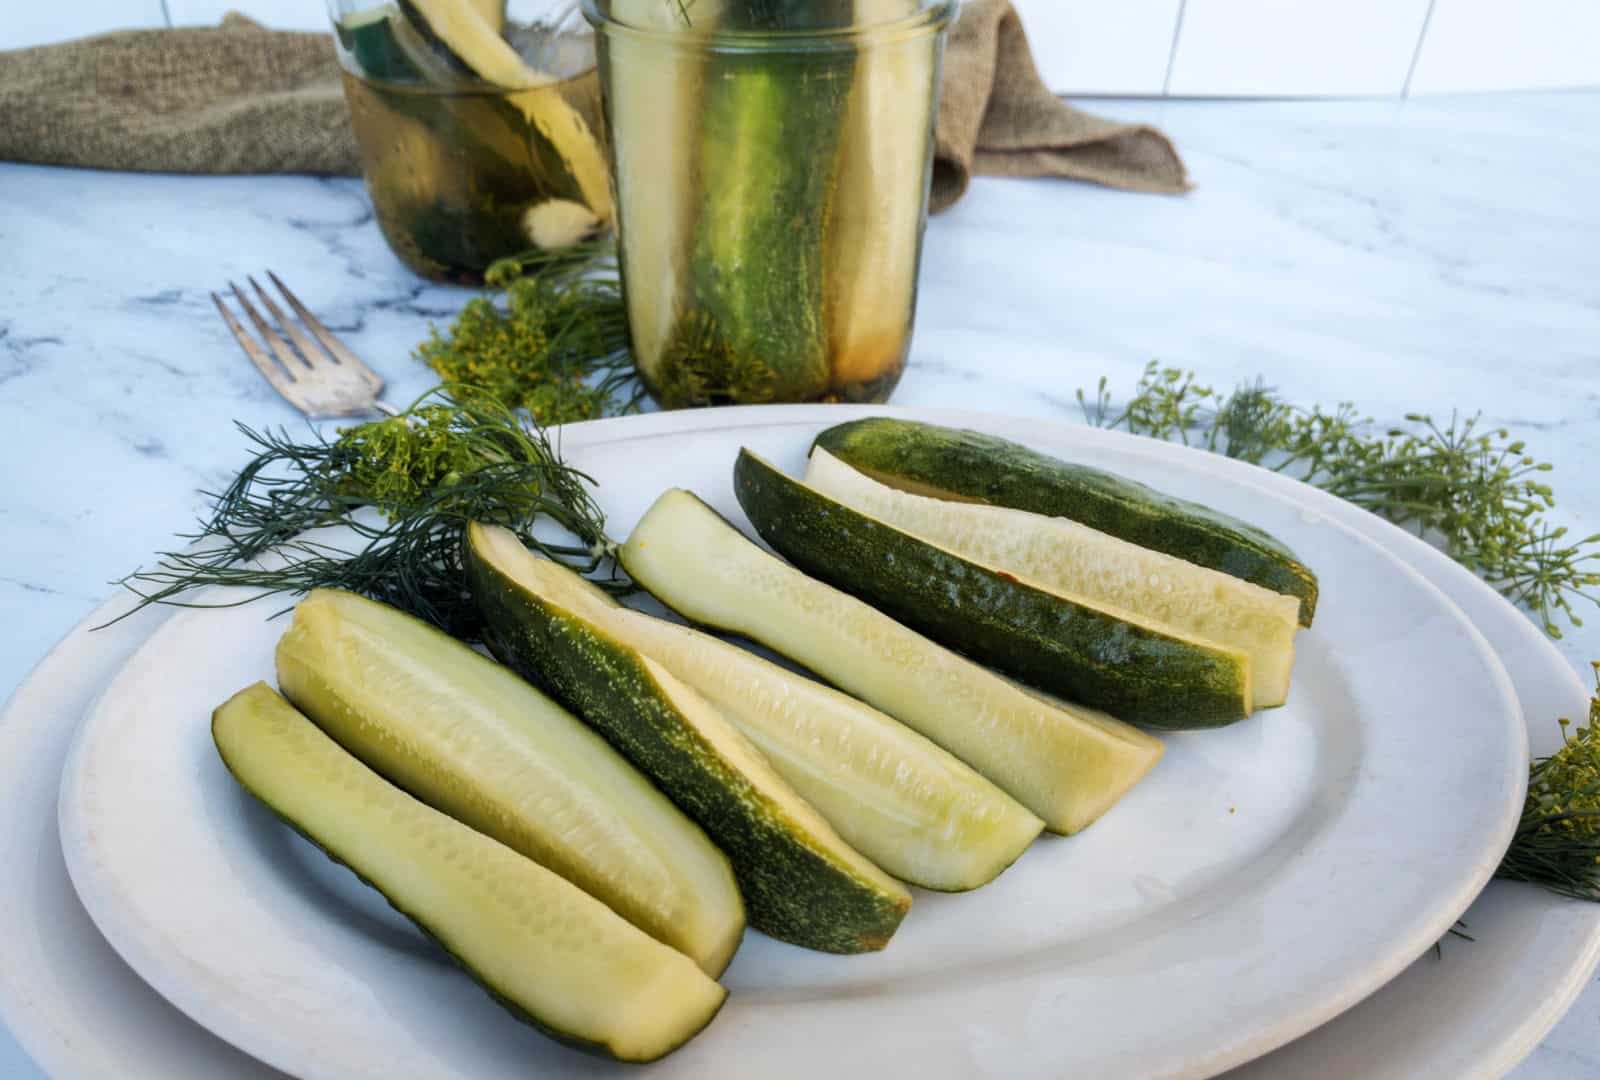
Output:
[[1557, 843], [1475, 493], [553, 350], [555, 343], [405, 487]]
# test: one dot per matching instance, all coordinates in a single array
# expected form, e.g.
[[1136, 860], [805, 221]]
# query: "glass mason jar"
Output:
[[479, 128], [770, 163]]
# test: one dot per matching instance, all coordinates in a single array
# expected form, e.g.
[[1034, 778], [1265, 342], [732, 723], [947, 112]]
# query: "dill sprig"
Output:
[[406, 487], [1557, 843], [556, 344], [1475, 493]]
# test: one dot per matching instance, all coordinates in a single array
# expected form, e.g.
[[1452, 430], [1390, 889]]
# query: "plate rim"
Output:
[[1266, 1033]]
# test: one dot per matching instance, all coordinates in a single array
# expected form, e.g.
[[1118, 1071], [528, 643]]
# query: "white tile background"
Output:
[[1182, 48], [1102, 46], [1297, 48], [1495, 45]]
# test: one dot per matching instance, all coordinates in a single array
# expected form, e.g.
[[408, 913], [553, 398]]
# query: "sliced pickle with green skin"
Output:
[[769, 157], [953, 463], [385, 47], [801, 882], [1135, 671], [462, 32], [544, 949], [369, 39], [1065, 763], [895, 796], [1089, 567], [471, 738]]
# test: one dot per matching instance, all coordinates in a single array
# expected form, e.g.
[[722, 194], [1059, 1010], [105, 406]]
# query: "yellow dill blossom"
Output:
[[1557, 845], [399, 461], [555, 343]]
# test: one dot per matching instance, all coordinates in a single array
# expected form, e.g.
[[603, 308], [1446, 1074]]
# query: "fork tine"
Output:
[[280, 348], [334, 346], [281, 380], [308, 348]]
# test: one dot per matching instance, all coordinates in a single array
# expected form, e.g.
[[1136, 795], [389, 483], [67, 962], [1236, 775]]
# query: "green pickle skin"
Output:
[[753, 325]]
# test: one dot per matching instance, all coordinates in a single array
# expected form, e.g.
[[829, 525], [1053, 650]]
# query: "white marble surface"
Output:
[[1429, 254]]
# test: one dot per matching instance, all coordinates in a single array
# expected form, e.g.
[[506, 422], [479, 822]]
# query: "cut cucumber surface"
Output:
[[892, 794], [875, 239], [546, 950], [492, 12], [952, 463], [653, 93], [470, 738], [463, 34], [1089, 567], [1127, 667], [801, 882], [1066, 764]]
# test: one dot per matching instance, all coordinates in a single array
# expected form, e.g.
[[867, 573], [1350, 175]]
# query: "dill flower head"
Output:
[[1557, 844], [554, 343], [397, 461], [1566, 786]]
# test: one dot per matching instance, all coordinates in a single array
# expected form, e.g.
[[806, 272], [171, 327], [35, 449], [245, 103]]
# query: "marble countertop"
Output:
[[1427, 254]]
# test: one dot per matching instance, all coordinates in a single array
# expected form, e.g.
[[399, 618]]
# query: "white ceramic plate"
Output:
[[1265, 878], [1471, 1012]]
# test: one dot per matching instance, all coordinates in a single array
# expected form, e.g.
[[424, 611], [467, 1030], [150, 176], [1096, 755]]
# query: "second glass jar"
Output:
[[478, 126]]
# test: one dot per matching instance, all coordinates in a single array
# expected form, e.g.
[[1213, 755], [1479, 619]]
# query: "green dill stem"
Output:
[[1445, 481], [1472, 492], [405, 488]]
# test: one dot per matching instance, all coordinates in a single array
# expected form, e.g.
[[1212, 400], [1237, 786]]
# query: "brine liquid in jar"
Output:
[[462, 172]]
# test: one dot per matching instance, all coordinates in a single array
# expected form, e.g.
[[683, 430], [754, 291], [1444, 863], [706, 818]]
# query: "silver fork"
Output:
[[319, 380]]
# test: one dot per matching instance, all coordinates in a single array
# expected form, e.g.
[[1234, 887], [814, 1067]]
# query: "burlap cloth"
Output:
[[238, 98]]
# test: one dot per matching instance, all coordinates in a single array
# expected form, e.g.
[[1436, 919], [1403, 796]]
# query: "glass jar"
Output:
[[770, 163], [479, 130]]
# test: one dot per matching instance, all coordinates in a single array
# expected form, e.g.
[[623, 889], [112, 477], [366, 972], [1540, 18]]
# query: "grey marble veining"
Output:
[[1431, 254]]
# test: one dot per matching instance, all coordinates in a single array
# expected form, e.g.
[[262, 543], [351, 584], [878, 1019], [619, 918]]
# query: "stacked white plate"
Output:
[[1238, 906]]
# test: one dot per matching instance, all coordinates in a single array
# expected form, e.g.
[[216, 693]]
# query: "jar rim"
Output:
[[930, 19]]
